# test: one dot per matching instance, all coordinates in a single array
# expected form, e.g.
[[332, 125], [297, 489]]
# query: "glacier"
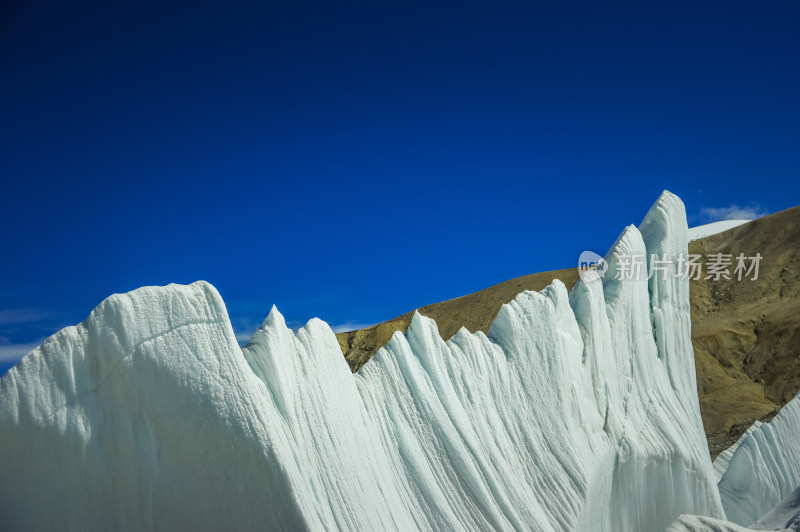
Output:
[[722, 461], [578, 411], [762, 470], [758, 478], [784, 517]]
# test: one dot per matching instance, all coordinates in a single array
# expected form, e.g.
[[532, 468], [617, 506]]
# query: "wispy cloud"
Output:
[[244, 328], [732, 212], [244, 336], [12, 352], [350, 326], [24, 315]]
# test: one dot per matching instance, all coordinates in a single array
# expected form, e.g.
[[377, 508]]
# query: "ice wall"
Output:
[[763, 468], [722, 460], [577, 412], [144, 416]]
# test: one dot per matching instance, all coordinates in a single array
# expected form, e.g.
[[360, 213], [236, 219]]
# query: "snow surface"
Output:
[[702, 231], [764, 468], [578, 411]]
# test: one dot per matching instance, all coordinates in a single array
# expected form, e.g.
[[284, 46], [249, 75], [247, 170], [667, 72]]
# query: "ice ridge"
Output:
[[578, 411]]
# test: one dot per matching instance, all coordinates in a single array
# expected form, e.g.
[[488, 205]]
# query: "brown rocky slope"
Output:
[[746, 334]]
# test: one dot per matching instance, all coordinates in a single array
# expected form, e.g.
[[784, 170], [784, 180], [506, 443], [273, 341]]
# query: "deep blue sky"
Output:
[[356, 161]]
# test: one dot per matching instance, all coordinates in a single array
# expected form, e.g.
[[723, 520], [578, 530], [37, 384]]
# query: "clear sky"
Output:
[[353, 161]]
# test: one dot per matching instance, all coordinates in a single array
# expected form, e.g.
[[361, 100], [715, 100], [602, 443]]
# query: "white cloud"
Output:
[[244, 336], [13, 352], [732, 212], [350, 326], [243, 328]]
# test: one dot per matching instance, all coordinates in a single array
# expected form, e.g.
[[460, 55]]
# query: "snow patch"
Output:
[[702, 231]]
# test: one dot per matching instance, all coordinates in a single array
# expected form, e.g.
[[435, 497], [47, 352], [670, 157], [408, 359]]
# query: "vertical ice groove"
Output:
[[573, 413], [271, 353], [723, 460], [665, 233]]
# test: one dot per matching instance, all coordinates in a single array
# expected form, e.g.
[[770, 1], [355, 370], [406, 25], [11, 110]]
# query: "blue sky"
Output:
[[354, 162]]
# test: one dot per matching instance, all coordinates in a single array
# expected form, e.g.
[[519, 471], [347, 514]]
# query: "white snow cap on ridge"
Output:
[[578, 411], [702, 231]]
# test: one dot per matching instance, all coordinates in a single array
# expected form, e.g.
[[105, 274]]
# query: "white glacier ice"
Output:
[[724, 458], [764, 467], [784, 517], [755, 477], [144, 416], [578, 411]]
